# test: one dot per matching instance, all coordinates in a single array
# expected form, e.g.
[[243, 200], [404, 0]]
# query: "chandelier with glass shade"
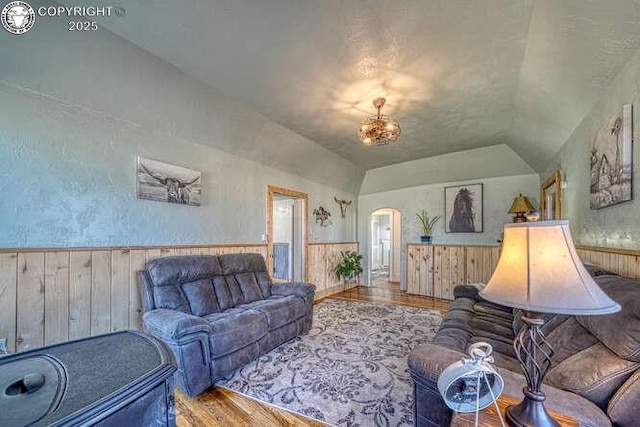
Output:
[[378, 129]]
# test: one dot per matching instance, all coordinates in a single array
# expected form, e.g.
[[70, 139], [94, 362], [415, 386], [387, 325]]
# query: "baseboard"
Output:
[[334, 290]]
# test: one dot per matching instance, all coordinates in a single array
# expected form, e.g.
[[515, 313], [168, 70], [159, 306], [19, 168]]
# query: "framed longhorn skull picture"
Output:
[[168, 183]]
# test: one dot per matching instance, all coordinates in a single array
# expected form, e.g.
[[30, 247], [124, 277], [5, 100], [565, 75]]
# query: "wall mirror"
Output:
[[551, 197]]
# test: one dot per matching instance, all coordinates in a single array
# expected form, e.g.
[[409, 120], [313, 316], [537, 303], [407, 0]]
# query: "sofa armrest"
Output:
[[300, 289], [429, 360], [466, 291], [173, 325]]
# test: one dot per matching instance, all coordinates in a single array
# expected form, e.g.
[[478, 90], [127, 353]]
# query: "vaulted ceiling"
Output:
[[457, 74]]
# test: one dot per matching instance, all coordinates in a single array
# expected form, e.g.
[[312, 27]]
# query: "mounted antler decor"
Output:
[[322, 216], [343, 205]]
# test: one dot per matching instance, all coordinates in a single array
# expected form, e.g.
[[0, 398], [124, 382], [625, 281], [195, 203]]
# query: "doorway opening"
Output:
[[286, 233], [385, 237]]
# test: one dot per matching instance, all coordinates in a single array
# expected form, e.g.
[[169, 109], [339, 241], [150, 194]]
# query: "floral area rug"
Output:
[[350, 370]]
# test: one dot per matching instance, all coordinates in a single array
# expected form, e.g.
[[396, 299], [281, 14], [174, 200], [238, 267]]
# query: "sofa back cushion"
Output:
[[184, 283], [201, 297], [594, 373], [247, 277], [620, 331]]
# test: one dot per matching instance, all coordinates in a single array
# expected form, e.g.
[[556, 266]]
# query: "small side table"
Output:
[[489, 418]]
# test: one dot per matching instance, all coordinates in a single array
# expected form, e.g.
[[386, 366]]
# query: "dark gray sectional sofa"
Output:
[[217, 313], [595, 374]]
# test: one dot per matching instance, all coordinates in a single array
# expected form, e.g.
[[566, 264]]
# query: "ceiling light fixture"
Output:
[[378, 129]]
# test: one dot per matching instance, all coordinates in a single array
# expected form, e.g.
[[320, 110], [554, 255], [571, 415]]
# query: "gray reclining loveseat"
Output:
[[217, 313]]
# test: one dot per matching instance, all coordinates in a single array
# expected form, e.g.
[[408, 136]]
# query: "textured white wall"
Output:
[[498, 195], [77, 108], [615, 226]]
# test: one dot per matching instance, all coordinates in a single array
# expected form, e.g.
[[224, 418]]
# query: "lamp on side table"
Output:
[[539, 272]]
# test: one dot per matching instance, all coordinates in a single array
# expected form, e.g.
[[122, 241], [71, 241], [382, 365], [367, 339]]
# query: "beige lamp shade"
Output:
[[521, 205], [539, 270]]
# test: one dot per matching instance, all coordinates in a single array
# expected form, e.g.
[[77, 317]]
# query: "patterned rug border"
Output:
[[329, 300]]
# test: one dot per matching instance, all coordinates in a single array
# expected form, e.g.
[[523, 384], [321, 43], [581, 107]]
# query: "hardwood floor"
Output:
[[221, 407]]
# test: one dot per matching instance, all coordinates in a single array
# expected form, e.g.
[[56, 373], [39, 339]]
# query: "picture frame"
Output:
[[463, 206], [551, 197], [611, 161], [165, 182]]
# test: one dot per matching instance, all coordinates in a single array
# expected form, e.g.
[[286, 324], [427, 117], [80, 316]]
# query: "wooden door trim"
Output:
[[271, 190]]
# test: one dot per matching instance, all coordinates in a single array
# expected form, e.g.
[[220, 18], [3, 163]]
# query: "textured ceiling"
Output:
[[457, 74]]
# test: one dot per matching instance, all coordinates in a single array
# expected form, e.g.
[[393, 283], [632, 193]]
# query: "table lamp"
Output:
[[539, 272], [521, 206]]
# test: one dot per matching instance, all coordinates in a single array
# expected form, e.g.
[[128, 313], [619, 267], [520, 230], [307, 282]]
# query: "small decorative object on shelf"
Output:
[[521, 206], [472, 384], [427, 225], [349, 267], [533, 216]]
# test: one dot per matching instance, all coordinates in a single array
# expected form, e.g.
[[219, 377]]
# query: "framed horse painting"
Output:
[[463, 208]]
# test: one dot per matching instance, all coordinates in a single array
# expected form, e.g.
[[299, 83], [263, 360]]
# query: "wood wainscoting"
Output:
[[625, 262], [54, 295], [434, 270], [321, 260]]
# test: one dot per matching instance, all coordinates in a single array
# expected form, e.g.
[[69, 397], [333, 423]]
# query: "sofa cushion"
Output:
[[464, 304], [223, 295], [248, 263], [237, 297], [201, 297], [242, 263], [265, 283], [171, 297], [491, 325], [174, 270], [249, 287], [620, 332], [594, 373], [280, 310], [568, 339], [453, 338], [457, 319], [485, 308], [234, 329]]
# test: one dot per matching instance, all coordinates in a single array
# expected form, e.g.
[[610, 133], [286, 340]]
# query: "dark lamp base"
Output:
[[529, 413], [520, 218]]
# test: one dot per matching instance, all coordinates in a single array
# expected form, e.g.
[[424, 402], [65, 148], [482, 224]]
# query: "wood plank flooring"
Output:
[[225, 408]]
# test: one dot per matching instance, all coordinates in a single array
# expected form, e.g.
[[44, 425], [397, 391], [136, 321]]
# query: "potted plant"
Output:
[[427, 225], [349, 267]]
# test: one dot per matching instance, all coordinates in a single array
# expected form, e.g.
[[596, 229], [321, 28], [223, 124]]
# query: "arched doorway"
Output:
[[384, 249]]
